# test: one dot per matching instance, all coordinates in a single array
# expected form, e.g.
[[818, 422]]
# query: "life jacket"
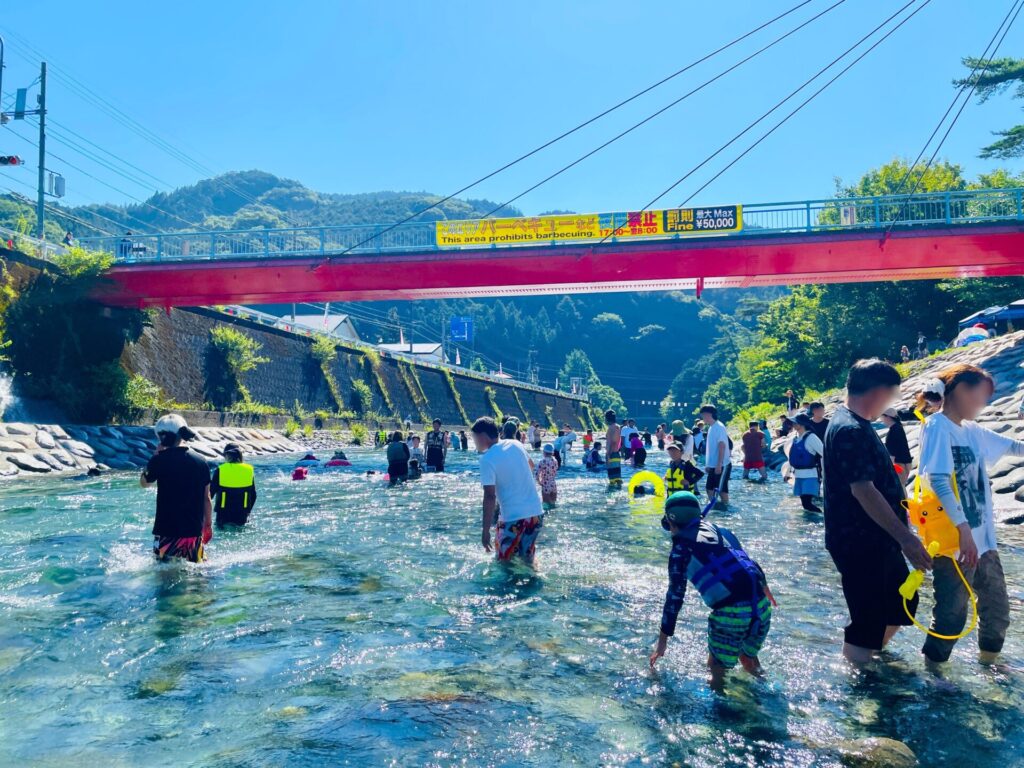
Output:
[[719, 568], [435, 439], [799, 456], [681, 478], [236, 492]]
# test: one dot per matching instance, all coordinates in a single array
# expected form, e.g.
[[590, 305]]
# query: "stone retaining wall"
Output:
[[40, 449]]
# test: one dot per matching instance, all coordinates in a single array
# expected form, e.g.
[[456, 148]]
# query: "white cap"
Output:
[[174, 424], [935, 386]]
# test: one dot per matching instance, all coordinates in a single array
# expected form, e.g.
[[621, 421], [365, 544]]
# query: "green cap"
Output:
[[681, 509]]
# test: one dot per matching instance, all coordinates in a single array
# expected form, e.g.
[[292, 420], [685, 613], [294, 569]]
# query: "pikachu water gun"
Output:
[[942, 539]]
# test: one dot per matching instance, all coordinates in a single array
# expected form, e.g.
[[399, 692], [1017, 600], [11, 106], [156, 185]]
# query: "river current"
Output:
[[352, 624]]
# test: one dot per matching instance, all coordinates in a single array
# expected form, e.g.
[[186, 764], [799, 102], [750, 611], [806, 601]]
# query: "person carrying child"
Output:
[[546, 472], [729, 582]]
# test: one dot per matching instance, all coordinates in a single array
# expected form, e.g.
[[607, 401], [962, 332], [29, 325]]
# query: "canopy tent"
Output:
[[1010, 315]]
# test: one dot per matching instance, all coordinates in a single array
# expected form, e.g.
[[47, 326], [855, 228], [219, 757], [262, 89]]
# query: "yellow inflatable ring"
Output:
[[647, 477]]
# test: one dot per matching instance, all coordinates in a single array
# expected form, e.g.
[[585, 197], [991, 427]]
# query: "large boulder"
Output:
[[45, 440], [11, 446], [27, 462], [21, 429], [56, 430], [78, 448], [1009, 483], [46, 458]]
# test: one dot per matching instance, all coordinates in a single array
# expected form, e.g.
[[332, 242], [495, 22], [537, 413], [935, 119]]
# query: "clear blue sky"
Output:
[[359, 96]]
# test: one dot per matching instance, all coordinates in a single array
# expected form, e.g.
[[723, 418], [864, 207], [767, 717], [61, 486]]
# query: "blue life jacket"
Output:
[[799, 456], [719, 568]]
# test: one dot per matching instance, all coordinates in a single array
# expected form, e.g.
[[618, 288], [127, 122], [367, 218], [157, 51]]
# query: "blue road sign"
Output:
[[462, 329]]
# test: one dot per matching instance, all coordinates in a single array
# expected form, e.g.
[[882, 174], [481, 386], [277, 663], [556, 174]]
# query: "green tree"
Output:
[[989, 79], [604, 397], [577, 365]]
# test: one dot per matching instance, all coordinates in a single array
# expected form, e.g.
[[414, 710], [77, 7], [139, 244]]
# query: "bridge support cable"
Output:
[[790, 96], [667, 107], [972, 80], [584, 124]]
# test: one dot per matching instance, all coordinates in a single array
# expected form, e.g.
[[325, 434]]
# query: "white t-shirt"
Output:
[[506, 466], [967, 448], [717, 435], [685, 443], [568, 439], [814, 447], [531, 435], [626, 432]]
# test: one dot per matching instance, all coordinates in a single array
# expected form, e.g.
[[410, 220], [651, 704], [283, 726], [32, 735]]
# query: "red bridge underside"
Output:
[[716, 262]]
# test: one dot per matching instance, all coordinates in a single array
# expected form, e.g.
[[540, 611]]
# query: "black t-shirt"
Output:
[[854, 453], [896, 444], [820, 428], [181, 480]]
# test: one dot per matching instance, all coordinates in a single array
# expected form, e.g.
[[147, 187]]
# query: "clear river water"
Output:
[[351, 624]]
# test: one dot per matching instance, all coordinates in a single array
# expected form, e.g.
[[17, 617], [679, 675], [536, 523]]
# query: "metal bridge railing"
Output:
[[831, 214]]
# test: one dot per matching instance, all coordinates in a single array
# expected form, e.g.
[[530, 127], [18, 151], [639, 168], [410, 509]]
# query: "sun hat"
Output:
[[549, 448]]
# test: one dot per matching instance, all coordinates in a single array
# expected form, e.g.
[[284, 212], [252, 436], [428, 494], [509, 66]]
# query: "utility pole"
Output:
[[42, 153]]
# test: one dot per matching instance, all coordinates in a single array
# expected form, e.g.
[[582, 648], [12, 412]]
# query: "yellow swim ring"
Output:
[[647, 477]]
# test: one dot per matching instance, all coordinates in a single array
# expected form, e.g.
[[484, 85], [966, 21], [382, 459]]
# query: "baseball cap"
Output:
[[174, 424], [935, 387], [681, 509], [891, 413], [549, 448], [673, 447], [804, 420], [232, 448]]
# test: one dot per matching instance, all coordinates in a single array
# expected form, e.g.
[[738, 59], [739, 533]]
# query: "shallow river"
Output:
[[355, 625]]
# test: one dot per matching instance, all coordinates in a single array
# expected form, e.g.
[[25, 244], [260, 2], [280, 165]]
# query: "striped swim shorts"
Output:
[[738, 629]]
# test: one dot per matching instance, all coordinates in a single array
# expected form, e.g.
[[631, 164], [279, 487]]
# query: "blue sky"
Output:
[[357, 96]]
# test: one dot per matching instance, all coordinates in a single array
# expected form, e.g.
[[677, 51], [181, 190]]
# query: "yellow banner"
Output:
[[590, 226]]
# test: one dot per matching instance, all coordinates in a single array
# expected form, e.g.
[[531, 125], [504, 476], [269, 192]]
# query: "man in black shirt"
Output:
[[865, 524], [819, 424], [184, 515], [437, 447], [896, 441]]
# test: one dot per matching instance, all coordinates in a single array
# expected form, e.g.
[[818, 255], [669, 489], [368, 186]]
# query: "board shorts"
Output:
[[168, 547], [871, 579], [753, 464], [806, 486], [518, 538], [719, 481], [614, 468], [736, 630]]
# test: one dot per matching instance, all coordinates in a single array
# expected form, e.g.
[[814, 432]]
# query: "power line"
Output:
[[580, 126], [56, 211], [1007, 22], [807, 101]]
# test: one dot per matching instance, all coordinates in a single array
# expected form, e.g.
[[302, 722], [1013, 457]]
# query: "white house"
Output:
[[429, 352], [339, 326]]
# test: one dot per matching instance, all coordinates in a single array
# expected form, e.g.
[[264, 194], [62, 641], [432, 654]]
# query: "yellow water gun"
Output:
[[942, 539]]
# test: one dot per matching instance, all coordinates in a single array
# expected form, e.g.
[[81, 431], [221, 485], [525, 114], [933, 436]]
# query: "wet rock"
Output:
[[27, 462], [877, 753], [45, 440], [20, 429]]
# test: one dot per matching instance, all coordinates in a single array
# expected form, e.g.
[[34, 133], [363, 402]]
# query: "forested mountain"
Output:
[[737, 348]]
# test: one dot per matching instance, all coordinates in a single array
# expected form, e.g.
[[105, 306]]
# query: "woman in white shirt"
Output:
[[954, 454]]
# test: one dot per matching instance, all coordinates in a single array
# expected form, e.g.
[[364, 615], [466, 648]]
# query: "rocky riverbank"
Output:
[[39, 449]]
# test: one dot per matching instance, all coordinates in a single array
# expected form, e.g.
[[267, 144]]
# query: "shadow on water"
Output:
[[182, 601]]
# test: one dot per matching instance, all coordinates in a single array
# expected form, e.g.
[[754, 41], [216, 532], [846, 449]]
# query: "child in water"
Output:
[[593, 460], [417, 459], [546, 471], [729, 582]]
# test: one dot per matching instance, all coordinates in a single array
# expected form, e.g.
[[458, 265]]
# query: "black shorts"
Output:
[[721, 482], [536, 445], [871, 582]]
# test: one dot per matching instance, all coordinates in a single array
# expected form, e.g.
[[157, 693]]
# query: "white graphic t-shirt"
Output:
[[965, 449]]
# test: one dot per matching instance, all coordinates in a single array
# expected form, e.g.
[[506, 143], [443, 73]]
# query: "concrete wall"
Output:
[[174, 355]]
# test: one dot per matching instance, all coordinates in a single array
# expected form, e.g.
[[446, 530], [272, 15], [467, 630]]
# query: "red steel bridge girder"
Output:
[[715, 262]]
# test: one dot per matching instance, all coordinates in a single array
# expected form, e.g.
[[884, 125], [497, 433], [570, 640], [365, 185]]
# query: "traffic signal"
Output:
[[11, 160]]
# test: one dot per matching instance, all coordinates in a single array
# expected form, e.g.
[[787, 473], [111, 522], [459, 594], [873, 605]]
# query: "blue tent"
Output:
[[1003, 316]]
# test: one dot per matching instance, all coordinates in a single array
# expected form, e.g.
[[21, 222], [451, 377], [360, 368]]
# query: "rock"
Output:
[[1005, 466], [102, 467], [77, 433], [56, 430], [877, 753], [3, 431], [20, 429], [27, 462], [45, 440], [10, 446], [111, 432], [203, 449], [1009, 483], [78, 448], [1000, 427], [8, 470], [46, 458], [64, 458], [134, 442]]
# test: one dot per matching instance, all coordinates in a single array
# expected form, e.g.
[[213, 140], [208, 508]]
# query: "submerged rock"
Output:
[[876, 752]]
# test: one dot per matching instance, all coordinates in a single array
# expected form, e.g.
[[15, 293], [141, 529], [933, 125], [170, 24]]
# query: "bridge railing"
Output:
[[831, 214]]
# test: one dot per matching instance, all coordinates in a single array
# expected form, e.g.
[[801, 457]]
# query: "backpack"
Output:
[[799, 456]]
